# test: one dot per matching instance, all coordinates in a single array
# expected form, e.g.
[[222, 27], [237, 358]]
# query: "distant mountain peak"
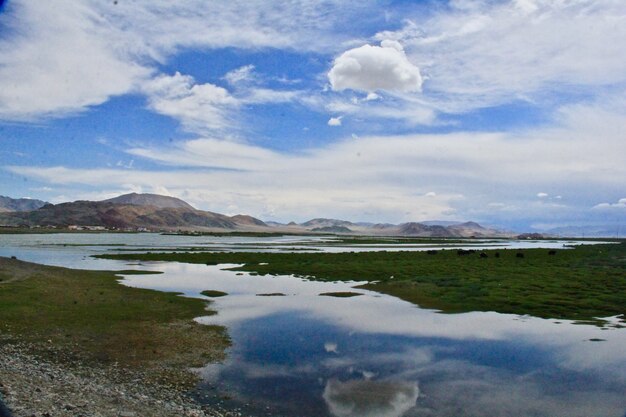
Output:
[[146, 199], [323, 222], [8, 204]]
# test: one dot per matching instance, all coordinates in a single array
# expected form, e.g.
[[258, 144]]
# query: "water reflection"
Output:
[[303, 355], [367, 398]]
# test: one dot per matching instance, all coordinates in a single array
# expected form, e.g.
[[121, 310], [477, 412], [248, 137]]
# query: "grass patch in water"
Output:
[[341, 294], [213, 293], [583, 283]]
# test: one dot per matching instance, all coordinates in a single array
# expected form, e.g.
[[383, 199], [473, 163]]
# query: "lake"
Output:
[[303, 354]]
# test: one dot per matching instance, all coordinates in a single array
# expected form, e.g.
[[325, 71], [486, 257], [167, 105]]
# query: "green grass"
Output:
[[341, 294], [90, 315], [213, 293], [578, 284]]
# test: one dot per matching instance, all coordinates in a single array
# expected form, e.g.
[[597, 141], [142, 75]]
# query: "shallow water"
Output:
[[373, 355]]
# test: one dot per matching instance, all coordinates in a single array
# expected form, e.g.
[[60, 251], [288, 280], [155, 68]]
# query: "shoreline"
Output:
[[32, 385], [79, 343]]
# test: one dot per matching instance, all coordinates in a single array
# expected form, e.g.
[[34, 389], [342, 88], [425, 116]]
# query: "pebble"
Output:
[[34, 386]]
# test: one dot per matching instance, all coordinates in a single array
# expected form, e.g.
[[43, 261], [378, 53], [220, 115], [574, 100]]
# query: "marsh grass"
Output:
[[582, 283]]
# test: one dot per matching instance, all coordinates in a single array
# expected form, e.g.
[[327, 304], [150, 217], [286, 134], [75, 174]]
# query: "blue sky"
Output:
[[509, 113]]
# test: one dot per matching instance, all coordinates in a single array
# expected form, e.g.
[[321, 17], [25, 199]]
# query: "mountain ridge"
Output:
[[153, 212], [8, 204], [146, 199]]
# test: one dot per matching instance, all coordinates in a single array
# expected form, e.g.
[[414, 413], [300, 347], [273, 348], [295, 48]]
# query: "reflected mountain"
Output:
[[366, 398]]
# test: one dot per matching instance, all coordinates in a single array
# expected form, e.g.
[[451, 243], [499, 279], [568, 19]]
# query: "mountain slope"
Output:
[[319, 223], [8, 204], [127, 216], [155, 200]]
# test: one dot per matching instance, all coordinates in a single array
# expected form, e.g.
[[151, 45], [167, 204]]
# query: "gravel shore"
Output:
[[33, 386]]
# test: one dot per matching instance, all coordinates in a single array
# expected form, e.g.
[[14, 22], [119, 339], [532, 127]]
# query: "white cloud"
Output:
[[240, 75], [387, 178], [405, 111], [62, 64], [199, 107], [334, 121], [79, 53], [620, 205], [266, 95], [374, 68], [542, 195], [478, 54], [331, 347], [354, 398]]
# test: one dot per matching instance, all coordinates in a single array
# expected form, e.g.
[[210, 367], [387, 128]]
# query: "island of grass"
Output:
[[582, 283], [341, 294], [89, 316], [213, 293]]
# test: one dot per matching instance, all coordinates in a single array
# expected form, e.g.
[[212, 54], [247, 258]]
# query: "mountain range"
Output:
[[162, 213]]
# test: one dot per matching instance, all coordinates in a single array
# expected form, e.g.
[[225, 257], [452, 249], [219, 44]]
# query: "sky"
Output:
[[511, 113]]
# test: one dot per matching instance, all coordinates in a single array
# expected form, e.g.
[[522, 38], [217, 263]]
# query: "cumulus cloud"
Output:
[[372, 68], [334, 121], [198, 106], [542, 195]]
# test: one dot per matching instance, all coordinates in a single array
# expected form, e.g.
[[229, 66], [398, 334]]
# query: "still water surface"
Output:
[[303, 354]]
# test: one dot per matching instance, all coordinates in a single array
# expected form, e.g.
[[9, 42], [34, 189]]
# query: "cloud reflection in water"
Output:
[[366, 398]]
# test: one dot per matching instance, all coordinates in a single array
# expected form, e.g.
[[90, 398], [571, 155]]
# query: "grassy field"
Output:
[[91, 316], [578, 284]]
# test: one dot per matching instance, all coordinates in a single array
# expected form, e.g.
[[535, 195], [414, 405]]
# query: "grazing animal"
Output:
[[497, 254], [431, 252], [519, 254], [463, 252], [552, 252], [483, 255]]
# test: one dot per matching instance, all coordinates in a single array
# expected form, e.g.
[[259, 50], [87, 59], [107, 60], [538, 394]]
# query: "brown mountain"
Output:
[[415, 229], [422, 230], [157, 212], [244, 219], [156, 200], [144, 213]]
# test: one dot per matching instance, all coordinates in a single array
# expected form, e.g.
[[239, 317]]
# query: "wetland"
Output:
[[430, 334]]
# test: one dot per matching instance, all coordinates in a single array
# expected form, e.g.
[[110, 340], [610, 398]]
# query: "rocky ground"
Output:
[[35, 385]]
